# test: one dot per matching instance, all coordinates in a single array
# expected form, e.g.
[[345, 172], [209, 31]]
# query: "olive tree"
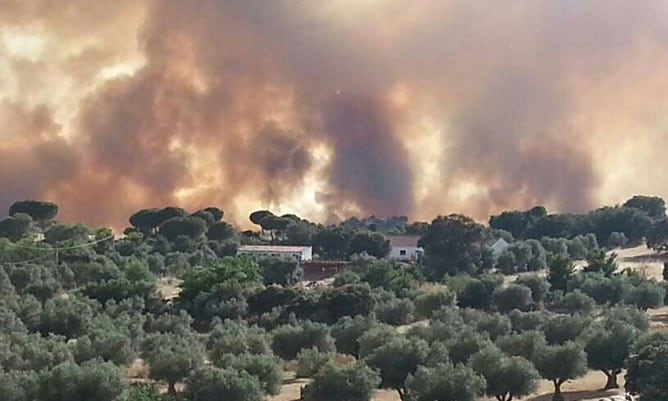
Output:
[[93, 380], [445, 382], [559, 363], [507, 377], [607, 349], [171, 358], [214, 384], [647, 372], [396, 360], [342, 383]]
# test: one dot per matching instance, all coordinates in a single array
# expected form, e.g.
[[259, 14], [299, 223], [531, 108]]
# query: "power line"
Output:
[[64, 248], [55, 250], [25, 261]]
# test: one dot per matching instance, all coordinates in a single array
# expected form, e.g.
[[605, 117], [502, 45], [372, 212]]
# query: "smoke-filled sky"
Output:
[[332, 108]]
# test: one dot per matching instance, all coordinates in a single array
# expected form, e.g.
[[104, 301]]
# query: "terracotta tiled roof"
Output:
[[404, 241], [273, 248]]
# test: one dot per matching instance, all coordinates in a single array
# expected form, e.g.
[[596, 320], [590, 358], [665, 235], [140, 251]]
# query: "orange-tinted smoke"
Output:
[[241, 103]]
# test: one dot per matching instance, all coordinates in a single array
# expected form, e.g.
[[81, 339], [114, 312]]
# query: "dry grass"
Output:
[[168, 287], [137, 370], [659, 319], [639, 258], [584, 388]]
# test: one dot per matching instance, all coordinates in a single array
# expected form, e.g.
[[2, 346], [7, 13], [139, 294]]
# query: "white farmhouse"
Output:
[[405, 248], [299, 254], [499, 247]]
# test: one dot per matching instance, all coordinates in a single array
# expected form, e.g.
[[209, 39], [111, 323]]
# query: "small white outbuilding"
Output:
[[405, 248]]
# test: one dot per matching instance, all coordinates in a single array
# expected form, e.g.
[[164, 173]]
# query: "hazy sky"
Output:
[[332, 108]]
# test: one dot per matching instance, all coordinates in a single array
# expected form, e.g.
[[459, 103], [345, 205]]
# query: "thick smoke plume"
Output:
[[331, 108]]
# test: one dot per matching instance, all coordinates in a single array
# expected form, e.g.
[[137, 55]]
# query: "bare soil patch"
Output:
[[168, 287]]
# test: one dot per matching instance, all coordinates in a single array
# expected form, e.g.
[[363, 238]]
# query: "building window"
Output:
[[402, 252]]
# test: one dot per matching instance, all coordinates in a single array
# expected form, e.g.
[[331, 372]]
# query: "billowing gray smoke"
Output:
[[233, 98]]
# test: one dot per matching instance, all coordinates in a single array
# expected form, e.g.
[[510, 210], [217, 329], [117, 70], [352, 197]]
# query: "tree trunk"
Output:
[[557, 391], [402, 394], [612, 379], [171, 390]]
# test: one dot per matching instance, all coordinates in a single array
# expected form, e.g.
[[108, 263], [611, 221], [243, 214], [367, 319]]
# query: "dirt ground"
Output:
[[168, 287], [639, 258], [585, 388]]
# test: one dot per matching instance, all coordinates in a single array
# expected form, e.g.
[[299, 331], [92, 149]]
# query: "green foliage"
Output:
[[628, 315], [395, 311], [513, 296], [143, 392], [230, 338], [506, 377], [332, 243], [573, 302], [289, 340], [561, 270], [539, 286], [396, 360], [649, 294], [217, 282], [494, 325], [647, 372], [657, 236], [371, 243], [479, 293], [171, 357], [300, 233], [108, 345], [466, 343], [389, 275], [526, 344], [18, 385], [560, 363], [603, 290], [94, 380], [342, 383], [38, 210], [146, 220], [347, 332], [57, 234], [280, 271], [69, 317], [617, 240], [265, 368], [214, 384], [348, 300], [452, 244], [346, 277], [268, 298], [374, 338], [258, 216], [32, 352], [16, 227], [599, 262], [220, 231], [517, 222], [445, 382], [428, 302], [191, 227], [310, 361], [654, 206], [607, 347], [563, 328]]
